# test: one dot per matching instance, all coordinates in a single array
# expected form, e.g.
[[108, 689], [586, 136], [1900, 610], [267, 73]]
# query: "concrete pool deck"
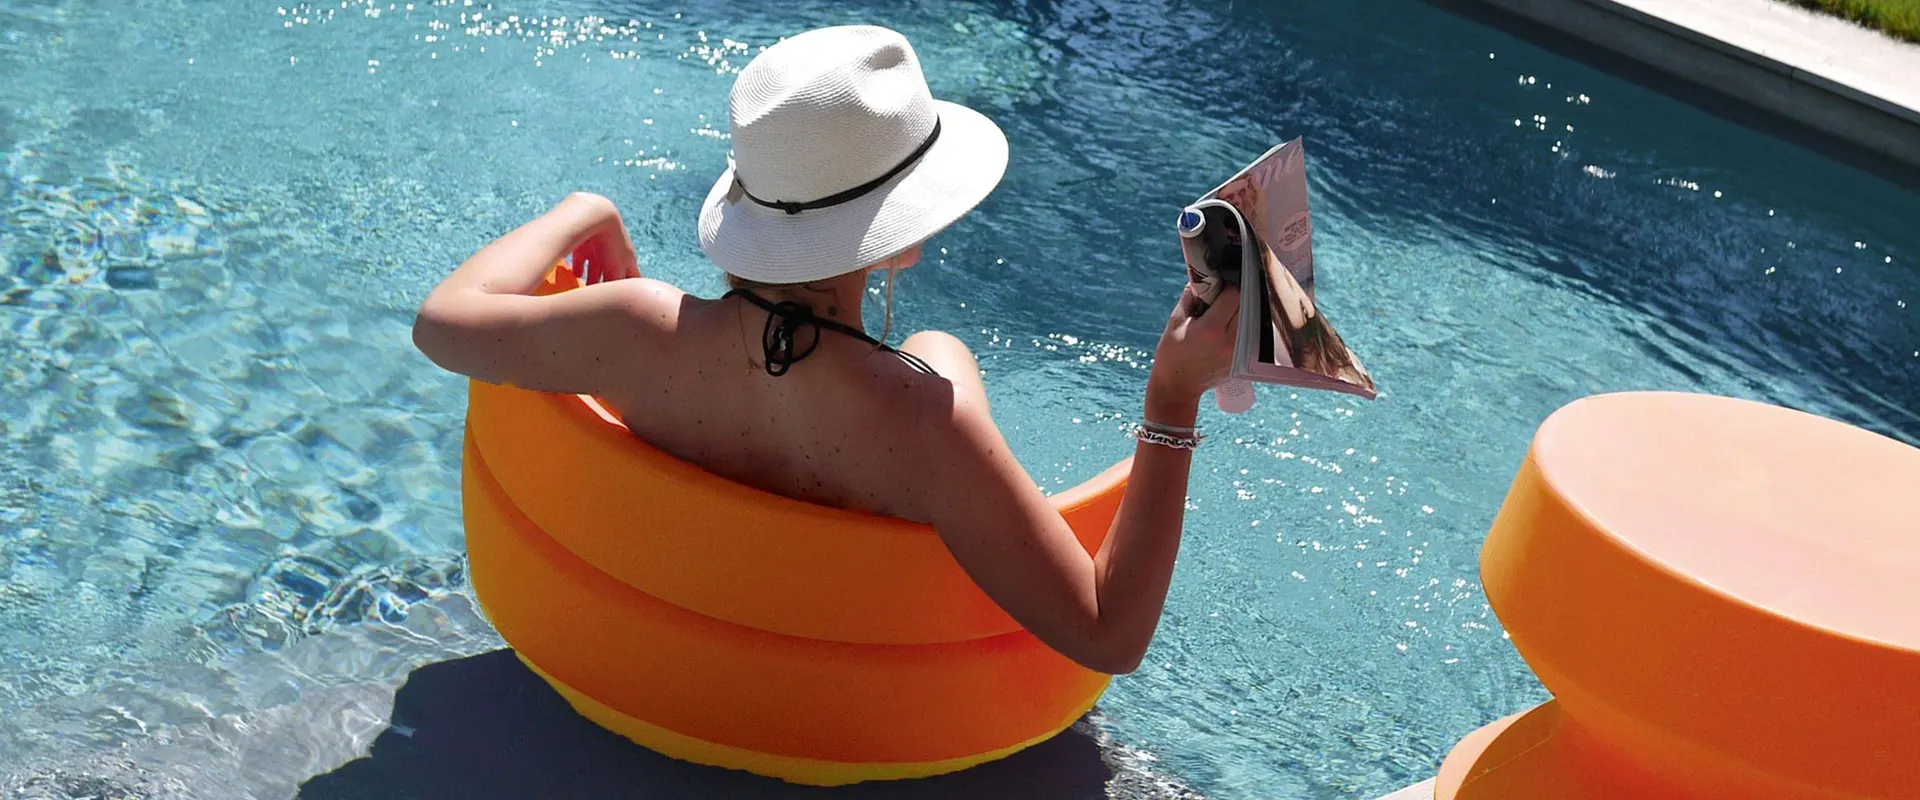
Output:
[[1823, 72]]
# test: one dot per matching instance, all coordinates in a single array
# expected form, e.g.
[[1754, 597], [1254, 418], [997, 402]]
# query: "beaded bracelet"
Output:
[[1167, 436]]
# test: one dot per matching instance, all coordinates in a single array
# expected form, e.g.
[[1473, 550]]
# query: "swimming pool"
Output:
[[228, 501]]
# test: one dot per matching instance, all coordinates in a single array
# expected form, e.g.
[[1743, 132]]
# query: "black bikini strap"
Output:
[[786, 319], [916, 363]]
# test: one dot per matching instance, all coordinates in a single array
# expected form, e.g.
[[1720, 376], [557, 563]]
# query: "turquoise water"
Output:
[[228, 502]]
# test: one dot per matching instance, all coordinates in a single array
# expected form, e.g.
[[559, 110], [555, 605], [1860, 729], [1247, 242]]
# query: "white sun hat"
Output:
[[842, 158]]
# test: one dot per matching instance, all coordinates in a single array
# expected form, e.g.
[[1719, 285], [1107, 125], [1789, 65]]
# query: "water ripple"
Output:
[[228, 491]]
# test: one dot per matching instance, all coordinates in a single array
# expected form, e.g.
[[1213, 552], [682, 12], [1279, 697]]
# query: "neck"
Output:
[[837, 299]]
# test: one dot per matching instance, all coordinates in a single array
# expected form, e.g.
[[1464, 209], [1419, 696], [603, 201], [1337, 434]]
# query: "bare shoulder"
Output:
[[652, 307], [932, 405], [950, 426], [655, 302]]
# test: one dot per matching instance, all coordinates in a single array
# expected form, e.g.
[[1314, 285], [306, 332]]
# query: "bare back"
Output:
[[841, 428]]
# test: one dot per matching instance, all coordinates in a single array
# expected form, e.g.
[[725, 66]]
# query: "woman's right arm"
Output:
[[1100, 611]]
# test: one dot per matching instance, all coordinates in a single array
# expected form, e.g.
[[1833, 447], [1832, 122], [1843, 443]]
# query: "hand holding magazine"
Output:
[[1254, 232]]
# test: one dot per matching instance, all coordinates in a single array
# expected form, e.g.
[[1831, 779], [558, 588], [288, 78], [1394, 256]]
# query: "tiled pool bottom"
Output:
[[228, 496]]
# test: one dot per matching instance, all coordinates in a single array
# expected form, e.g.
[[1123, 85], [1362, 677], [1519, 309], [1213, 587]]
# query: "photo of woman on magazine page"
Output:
[[1300, 337]]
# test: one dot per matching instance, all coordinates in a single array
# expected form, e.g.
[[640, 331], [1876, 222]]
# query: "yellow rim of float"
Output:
[[814, 772]]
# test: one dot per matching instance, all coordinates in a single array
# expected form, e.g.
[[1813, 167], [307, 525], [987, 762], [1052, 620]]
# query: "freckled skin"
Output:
[[908, 445]]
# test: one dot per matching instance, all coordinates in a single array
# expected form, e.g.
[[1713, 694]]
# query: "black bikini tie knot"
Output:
[[785, 321]]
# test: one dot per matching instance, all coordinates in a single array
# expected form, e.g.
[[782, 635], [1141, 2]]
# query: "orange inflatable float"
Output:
[[723, 625], [1723, 597]]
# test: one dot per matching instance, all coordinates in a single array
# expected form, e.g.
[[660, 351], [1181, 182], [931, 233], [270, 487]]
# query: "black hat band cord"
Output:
[[837, 198]]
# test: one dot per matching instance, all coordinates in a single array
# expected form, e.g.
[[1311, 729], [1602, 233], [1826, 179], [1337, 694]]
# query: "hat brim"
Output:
[[768, 245]]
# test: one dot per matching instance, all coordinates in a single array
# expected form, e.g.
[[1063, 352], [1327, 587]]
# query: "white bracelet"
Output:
[[1188, 441], [1170, 430]]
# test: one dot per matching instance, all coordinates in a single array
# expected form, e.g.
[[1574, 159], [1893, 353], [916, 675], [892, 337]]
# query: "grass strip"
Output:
[[1901, 18]]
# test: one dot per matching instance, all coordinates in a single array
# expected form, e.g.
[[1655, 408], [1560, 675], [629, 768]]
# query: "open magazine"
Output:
[[1254, 232]]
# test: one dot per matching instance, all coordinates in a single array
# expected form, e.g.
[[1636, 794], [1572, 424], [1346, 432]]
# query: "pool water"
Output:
[[229, 515]]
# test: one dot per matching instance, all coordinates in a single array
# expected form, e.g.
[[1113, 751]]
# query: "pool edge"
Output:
[[1802, 81]]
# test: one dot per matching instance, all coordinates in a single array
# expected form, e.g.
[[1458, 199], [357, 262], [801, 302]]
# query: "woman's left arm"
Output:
[[482, 321]]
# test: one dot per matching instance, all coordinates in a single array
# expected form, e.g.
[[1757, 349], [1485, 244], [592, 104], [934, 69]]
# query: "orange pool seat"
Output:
[[1724, 599], [723, 625]]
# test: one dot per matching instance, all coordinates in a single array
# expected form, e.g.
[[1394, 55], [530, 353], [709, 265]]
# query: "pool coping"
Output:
[[1823, 72]]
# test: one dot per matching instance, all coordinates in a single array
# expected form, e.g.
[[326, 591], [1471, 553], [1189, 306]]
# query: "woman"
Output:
[[844, 165]]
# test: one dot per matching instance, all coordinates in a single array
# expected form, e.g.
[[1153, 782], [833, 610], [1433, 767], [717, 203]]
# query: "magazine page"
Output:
[[1284, 338]]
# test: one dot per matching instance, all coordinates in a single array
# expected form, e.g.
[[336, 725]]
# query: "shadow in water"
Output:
[[486, 727]]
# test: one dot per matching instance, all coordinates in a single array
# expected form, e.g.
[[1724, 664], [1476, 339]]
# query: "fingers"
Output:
[[595, 270], [606, 257], [579, 261], [629, 263], [1186, 307], [1225, 311]]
